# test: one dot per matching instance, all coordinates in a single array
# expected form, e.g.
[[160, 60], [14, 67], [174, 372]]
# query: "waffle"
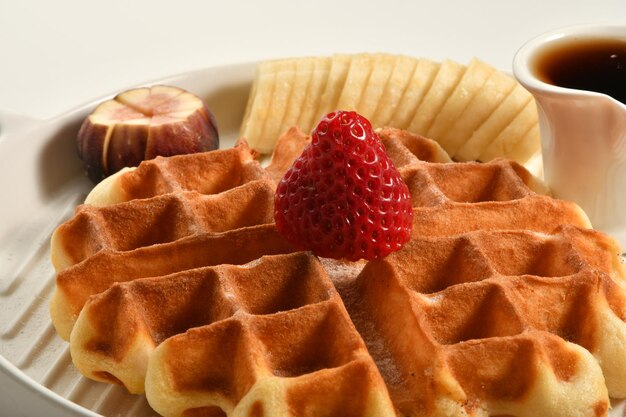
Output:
[[280, 315], [165, 208], [514, 307], [206, 173], [500, 194], [76, 284], [403, 148], [491, 291], [163, 218]]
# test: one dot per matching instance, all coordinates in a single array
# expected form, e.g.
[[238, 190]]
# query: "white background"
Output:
[[55, 55]]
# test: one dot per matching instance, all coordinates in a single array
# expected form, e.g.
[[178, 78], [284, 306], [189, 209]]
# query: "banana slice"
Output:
[[382, 67], [465, 108], [356, 81], [283, 87], [495, 123], [336, 79], [420, 83], [394, 90], [319, 78], [527, 146], [478, 110], [510, 137], [259, 103], [141, 124], [473, 79], [447, 78], [303, 74]]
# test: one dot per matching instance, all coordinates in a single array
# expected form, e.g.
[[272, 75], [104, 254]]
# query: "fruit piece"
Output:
[[319, 78], [473, 79], [419, 84], [283, 87], [141, 124], [356, 81], [303, 75], [259, 103], [442, 86], [336, 79], [343, 198], [485, 101], [508, 139], [527, 146], [464, 108], [382, 66], [495, 123], [394, 90]]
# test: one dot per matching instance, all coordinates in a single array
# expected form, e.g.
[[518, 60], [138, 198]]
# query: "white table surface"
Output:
[[55, 55]]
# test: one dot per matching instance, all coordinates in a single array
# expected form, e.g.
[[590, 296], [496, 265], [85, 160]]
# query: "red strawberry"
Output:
[[343, 197]]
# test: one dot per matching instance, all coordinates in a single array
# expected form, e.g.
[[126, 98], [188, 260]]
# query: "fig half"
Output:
[[141, 124]]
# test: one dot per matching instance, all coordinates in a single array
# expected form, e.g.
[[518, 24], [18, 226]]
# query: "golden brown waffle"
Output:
[[74, 285], [468, 319], [500, 194], [161, 219], [474, 307], [206, 173], [307, 361], [458, 197], [281, 317], [126, 230]]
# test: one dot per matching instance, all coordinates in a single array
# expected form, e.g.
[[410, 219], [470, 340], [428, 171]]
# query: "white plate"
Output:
[[42, 181]]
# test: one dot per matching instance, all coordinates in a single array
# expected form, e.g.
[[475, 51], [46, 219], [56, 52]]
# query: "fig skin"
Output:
[[137, 136]]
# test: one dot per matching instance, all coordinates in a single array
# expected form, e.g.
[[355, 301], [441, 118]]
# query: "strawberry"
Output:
[[343, 198]]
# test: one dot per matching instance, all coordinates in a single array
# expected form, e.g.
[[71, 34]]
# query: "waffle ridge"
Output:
[[504, 302]]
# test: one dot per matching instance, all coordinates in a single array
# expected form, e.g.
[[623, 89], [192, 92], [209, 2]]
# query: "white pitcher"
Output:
[[583, 134]]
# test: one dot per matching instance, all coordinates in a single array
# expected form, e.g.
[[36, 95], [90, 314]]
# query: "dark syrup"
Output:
[[590, 64]]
